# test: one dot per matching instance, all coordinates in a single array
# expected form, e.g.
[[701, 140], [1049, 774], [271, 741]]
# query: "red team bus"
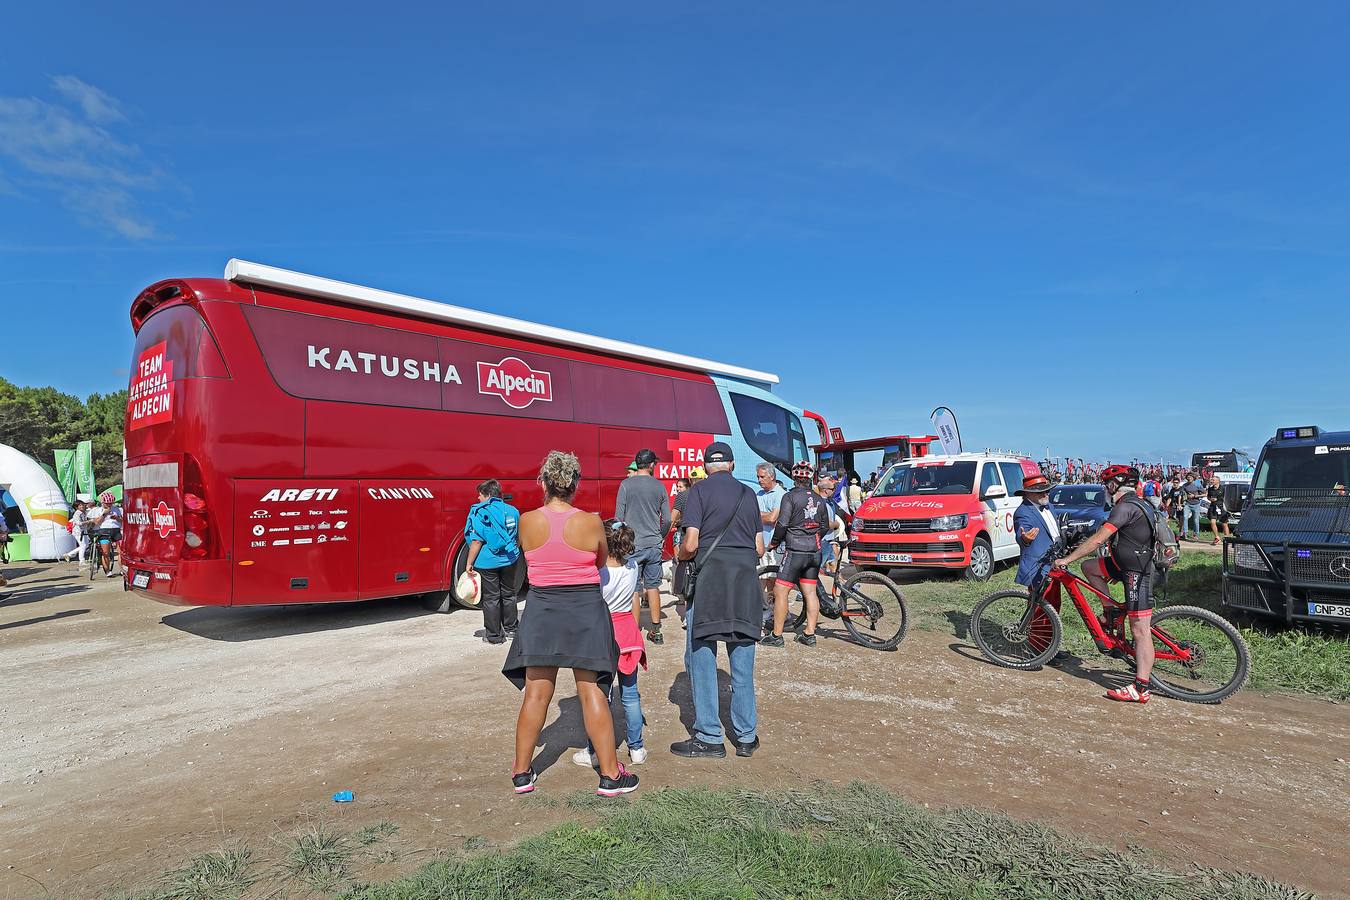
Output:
[[293, 439]]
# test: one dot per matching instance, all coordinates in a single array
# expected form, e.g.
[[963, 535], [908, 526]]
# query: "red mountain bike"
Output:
[[1200, 657]]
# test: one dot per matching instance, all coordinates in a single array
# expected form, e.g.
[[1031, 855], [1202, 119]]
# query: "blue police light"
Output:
[[1303, 554], [1292, 434]]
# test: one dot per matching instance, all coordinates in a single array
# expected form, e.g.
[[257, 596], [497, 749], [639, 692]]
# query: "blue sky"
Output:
[[1110, 230]]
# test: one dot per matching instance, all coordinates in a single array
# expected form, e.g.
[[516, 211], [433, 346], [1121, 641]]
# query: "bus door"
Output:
[[294, 540], [404, 534]]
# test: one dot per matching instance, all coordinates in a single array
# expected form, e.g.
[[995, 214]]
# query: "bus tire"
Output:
[[445, 601]]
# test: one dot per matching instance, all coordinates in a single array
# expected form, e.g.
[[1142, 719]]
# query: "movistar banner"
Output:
[[65, 473], [949, 436], [84, 468]]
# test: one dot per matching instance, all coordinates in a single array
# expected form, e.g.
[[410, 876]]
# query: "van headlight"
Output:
[[949, 523], [1250, 558]]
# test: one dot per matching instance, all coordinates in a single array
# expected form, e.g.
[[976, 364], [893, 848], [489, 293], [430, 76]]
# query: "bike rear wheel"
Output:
[[874, 610], [1199, 657], [796, 604], [1014, 631]]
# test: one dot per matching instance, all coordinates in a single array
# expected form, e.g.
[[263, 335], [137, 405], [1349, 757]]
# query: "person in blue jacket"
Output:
[[1036, 529], [493, 533]]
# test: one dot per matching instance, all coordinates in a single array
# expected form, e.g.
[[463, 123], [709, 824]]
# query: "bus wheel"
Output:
[[439, 601], [445, 601]]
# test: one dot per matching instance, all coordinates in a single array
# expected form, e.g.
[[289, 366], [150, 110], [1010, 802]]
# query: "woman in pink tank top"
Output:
[[565, 625]]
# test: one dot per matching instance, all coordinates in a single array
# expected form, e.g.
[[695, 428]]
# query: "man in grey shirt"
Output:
[[644, 506]]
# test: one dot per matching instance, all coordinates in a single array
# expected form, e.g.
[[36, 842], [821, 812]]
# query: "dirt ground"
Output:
[[134, 735]]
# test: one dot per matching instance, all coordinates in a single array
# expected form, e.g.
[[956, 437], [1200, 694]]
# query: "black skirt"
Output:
[[567, 628]]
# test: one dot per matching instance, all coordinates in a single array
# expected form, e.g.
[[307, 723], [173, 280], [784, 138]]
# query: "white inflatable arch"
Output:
[[44, 508]]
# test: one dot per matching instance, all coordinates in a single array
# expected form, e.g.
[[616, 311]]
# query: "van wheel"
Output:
[[981, 561]]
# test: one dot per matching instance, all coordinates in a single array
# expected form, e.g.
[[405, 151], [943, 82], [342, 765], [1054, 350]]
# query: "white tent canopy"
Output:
[[44, 508]]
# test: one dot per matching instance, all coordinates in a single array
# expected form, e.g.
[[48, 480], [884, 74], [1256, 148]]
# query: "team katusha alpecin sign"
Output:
[[150, 397]]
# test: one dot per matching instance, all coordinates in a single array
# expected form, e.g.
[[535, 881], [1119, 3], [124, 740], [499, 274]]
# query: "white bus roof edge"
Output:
[[270, 276]]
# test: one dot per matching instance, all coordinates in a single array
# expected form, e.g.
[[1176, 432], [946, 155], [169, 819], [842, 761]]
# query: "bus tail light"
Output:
[[198, 534]]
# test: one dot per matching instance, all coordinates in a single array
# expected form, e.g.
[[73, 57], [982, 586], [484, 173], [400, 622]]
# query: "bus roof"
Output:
[[242, 271]]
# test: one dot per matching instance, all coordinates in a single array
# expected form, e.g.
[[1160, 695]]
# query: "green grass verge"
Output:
[[1296, 661], [854, 842]]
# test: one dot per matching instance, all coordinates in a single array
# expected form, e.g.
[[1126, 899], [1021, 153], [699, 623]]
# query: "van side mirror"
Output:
[[994, 491]]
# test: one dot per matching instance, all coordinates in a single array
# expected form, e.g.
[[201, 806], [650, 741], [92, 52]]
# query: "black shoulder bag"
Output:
[[692, 566]]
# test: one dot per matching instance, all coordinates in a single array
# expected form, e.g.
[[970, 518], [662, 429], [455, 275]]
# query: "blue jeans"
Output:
[[1192, 509], [700, 661], [632, 708]]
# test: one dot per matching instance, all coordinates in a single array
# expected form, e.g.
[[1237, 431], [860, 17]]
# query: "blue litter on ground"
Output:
[[344, 797]]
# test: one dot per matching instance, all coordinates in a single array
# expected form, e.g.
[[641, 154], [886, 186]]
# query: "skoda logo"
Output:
[[894, 525], [1340, 567]]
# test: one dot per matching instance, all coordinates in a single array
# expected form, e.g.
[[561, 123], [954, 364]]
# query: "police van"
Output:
[[1291, 555]]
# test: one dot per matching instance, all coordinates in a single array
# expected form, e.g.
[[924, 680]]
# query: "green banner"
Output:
[[84, 468], [65, 473]]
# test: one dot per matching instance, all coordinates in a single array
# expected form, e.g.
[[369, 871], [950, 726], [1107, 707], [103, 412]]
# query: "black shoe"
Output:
[[623, 783], [655, 636], [495, 639], [771, 640], [698, 750], [744, 749], [807, 639], [524, 782]]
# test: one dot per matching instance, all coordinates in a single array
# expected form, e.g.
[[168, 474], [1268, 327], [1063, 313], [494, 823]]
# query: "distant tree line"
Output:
[[39, 420]]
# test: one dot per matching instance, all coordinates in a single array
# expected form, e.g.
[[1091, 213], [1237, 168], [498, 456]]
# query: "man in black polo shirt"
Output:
[[722, 534]]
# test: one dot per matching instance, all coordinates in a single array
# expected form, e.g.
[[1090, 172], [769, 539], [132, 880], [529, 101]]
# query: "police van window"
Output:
[[771, 431], [1301, 473], [1012, 476], [988, 477]]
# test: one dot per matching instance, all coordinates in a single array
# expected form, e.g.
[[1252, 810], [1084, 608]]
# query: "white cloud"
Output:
[[96, 105], [69, 149]]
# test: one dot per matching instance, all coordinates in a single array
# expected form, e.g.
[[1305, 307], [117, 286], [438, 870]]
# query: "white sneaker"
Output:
[[637, 757], [583, 757]]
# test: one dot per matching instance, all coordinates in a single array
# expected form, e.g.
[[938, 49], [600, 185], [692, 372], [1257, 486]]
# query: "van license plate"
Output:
[[895, 557], [1336, 610], [140, 579]]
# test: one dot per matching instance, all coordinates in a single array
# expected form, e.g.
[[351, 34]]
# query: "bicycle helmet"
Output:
[[1125, 474], [803, 471], [107, 498]]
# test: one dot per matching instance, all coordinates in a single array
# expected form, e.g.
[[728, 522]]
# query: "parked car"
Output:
[[1079, 504]]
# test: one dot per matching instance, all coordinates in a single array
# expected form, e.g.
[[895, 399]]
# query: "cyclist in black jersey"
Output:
[[803, 520], [1130, 533]]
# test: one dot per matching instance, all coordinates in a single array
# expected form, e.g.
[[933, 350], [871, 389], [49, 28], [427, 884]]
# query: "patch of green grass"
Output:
[[1293, 661], [319, 856], [374, 834], [854, 842], [224, 874]]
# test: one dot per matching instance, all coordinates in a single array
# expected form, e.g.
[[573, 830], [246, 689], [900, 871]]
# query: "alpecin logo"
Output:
[[165, 521], [515, 382]]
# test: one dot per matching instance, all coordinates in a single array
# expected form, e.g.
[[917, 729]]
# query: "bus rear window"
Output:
[[189, 345]]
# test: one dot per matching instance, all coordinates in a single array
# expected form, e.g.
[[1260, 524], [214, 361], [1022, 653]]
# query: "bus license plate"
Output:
[[140, 579], [895, 557], [1335, 610]]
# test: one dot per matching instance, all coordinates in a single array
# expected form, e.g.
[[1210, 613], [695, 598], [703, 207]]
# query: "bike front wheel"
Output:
[[874, 611], [1014, 631], [1199, 657], [796, 604]]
